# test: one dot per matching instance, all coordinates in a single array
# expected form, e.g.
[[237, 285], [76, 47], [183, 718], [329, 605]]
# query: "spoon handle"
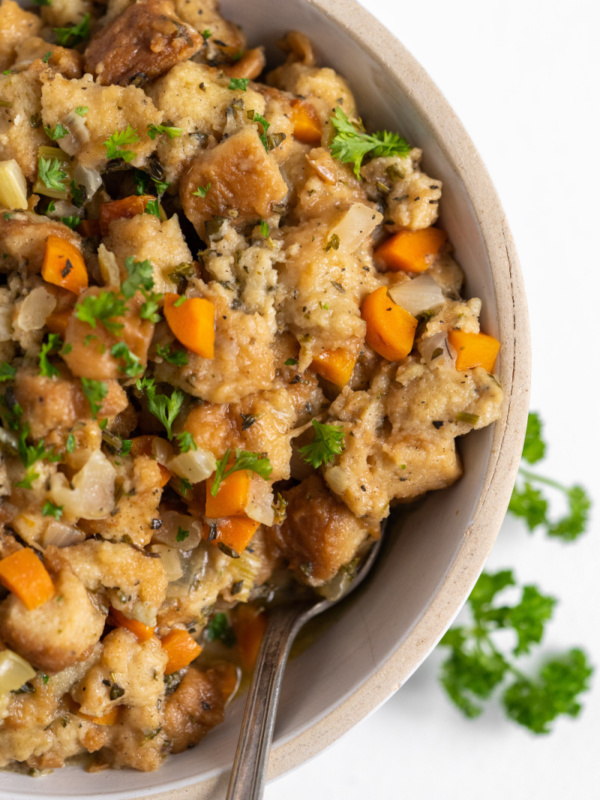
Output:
[[249, 766]]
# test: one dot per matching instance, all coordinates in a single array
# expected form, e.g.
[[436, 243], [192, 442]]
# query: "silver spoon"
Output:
[[249, 766]]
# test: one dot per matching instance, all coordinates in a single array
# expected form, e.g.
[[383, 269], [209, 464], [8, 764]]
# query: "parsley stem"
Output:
[[541, 479]]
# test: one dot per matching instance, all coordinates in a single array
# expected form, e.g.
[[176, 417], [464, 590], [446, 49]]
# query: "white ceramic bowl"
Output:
[[436, 552]]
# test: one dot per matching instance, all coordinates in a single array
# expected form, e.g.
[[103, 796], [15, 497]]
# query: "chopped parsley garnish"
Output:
[[71, 222], [530, 504], [328, 442], [7, 373], [219, 629], [103, 308], [149, 309], [73, 34], [477, 665], [153, 208], [30, 453], [239, 84], [169, 130], [264, 229], [51, 173], [244, 459], [162, 407], [182, 534], [95, 392], [54, 343], [139, 277], [160, 186], [58, 132], [352, 144], [184, 486], [255, 117], [50, 509], [333, 243], [291, 362], [185, 441], [71, 443], [117, 141], [177, 357], [206, 34], [201, 191], [82, 110], [28, 480], [47, 57], [78, 194], [132, 366]]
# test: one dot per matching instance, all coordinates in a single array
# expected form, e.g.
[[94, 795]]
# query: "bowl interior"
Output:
[[423, 543]]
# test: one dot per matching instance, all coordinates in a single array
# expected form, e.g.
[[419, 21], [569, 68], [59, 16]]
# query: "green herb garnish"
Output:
[[54, 343], [51, 174], [162, 407], [73, 34], [185, 442], [201, 191], [132, 366], [58, 132], [239, 84], [116, 142], [328, 442], [219, 629], [153, 208], [95, 392], [103, 308], [182, 535], [7, 373], [244, 459], [177, 357], [169, 130], [50, 509], [352, 144]]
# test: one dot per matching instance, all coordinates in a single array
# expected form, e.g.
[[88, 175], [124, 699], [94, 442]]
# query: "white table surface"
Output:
[[523, 77]]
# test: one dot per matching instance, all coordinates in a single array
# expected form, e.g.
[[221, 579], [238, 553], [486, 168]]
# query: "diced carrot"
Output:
[[89, 227], [231, 498], [232, 534], [142, 446], [64, 265], [141, 631], [181, 649], [109, 718], [24, 574], [307, 126], [336, 366], [474, 350], [192, 321], [58, 320], [412, 251], [390, 328], [249, 627], [122, 209]]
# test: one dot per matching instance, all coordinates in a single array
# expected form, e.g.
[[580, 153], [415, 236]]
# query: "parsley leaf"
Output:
[[102, 308], [71, 222], [476, 666], [149, 309], [185, 442], [219, 629], [81, 111], [181, 535], [50, 509], [171, 132], [244, 459], [115, 143], [328, 442], [153, 208], [71, 443], [239, 84], [139, 276], [264, 229], [58, 132], [133, 366], [7, 373], [177, 357], [201, 191], [352, 144], [529, 503], [95, 392], [162, 407], [54, 343], [51, 173], [73, 34]]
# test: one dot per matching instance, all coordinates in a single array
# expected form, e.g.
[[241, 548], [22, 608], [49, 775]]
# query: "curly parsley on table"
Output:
[[477, 666]]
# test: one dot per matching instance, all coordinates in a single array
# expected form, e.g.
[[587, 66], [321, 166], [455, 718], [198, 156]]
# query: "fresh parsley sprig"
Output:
[[328, 442], [352, 144], [132, 365], [51, 173], [73, 34], [95, 392], [476, 666], [104, 308], [532, 506], [54, 343], [170, 130], [116, 142], [244, 459], [7, 372], [164, 408]]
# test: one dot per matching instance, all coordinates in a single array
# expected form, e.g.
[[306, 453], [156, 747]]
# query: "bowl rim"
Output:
[[459, 151], [509, 431]]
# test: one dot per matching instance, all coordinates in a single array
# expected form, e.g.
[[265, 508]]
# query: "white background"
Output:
[[523, 76]]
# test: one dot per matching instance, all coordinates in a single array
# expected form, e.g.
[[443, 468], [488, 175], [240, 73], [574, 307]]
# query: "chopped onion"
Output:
[[35, 309], [337, 479], [109, 269], [14, 671], [356, 225], [90, 179], [195, 465], [13, 186], [184, 526], [260, 502], [437, 351], [162, 450], [93, 492], [5, 318], [417, 295], [171, 561], [78, 134], [61, 534]]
